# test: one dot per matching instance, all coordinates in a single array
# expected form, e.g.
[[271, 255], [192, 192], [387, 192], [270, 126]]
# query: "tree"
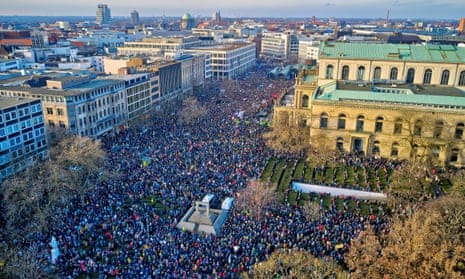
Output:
[[288, 138], [311, 211], [255, 197], [429, 244], [296, 264], [191, 111], [23, 263]]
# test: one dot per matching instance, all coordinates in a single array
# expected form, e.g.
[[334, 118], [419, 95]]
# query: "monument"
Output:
[[202, 218]]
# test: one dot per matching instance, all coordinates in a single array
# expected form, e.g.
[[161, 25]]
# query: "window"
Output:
[[410, 75], [341, 122], [377, 73], [379, 124], [438, 129], [427, 76], [417, 128], [454, 155], [60, 111], [360, 73], [305, 99], [49, 111], [345, 73], [61, 124], [393, 75], [445, 77], [340, 144], [376, 149], [329, 71], [360, 123], [459, 130], [398, 127], [51, 123], [324, 120], [394, 150], [462, 78]]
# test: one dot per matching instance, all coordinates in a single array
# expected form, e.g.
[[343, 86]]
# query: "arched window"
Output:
[[324, 120], [376, 149], [454, 155], [439, 125], [417, 128], [379, 124], [462, 78], [340, 144], [459, 130], [377, 73], [394, 150], [360, 73], [445, 77], [398, 126], [410, 75], [345, 73], [427, 76], [393, 75], [359, 124], [305, 99], [341, 121], [329, 71]]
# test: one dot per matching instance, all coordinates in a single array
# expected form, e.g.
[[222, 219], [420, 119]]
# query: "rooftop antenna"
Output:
[[387, 18]]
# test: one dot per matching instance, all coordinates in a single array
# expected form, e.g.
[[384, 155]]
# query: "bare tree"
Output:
[[429, 244], [255, 197], [311, 211], [191, 111], [289, 138], [23, 262], [296, 264]]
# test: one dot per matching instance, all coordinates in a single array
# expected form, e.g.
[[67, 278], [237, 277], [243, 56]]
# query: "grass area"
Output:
[[308, 172], [329, 175], [286, 179], [278, 170], [266, 174], [299, 169]]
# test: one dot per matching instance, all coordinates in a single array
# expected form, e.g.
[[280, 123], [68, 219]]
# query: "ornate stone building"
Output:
[[398, 120]]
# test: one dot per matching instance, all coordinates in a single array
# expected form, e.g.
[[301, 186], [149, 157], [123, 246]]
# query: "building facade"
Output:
[[22, 134], [308, 51], [279, 46], [103, 14], [135, 17], [229, 60], [84, 106], [165, 47], [439, 65], [391, 122]]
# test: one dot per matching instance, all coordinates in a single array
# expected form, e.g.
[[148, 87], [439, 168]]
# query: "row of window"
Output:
[[11, 129], [398, 126], [393, 75], [13, 115]]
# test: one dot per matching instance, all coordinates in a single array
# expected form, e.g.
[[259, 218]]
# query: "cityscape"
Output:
[[234, 140]]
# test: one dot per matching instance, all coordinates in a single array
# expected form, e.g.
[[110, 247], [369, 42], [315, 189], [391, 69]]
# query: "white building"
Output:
[[308, 50], [165, 47], [229, 60], [279, 46]]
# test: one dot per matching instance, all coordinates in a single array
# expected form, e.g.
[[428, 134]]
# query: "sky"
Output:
[[415, 9]]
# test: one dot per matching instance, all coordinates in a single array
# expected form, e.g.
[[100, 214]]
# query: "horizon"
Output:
[[357, 9]]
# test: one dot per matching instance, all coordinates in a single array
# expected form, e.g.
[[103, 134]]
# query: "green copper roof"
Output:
[[394, 52], [398, 98]]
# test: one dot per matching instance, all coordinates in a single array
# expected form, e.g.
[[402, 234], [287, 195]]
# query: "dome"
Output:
[[187, 16]]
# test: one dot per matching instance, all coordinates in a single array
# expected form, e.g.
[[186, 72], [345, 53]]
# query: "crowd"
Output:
[[117, 232]]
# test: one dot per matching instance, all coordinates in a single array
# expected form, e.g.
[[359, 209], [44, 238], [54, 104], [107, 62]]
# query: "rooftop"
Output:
[[394, 52], [6, 102]]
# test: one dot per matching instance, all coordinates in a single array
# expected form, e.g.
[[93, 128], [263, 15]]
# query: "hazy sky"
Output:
[[434, 9]]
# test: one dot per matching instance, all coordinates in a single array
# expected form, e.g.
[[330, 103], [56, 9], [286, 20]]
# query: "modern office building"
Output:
[[279, 46], [167, 47], [229, 60], [192, 74], [135, 18], [22, 134], [390, 120], [103, 14], [309, 50], [438, 65], [85, 106]]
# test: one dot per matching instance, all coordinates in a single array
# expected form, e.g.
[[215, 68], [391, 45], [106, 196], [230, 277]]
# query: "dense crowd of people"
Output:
[[126, 227]]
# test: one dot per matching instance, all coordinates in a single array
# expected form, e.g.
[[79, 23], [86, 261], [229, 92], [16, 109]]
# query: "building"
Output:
[[85, 106], [22, 134], [135, 18], [192, 74], [308, 51], [441, 65], [187, 22], [139, 93], [229, 60], [403, 121], [461, 28], [103, 14], [279, 46], [167, 47]]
